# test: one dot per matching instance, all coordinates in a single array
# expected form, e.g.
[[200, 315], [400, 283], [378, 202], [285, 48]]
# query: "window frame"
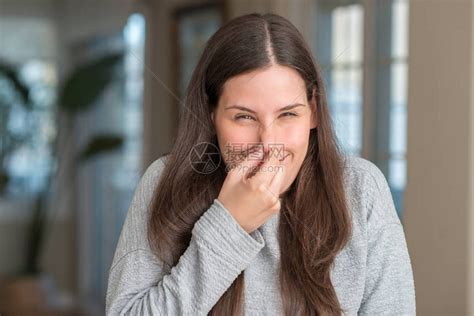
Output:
[[376, 87]]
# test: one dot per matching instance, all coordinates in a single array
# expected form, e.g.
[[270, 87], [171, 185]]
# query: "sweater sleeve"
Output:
[[389, 286], [219, 250]]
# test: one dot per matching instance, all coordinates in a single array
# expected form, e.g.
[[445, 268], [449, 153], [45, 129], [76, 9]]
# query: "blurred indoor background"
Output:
[[90, 95]]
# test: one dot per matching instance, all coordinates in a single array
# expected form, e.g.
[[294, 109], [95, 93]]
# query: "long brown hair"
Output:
[[315, 222]]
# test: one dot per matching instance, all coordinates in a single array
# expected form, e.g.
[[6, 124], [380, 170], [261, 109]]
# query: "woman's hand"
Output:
[[251, 190]]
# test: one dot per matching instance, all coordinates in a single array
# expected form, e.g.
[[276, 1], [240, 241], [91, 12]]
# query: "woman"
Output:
[[284, 223]]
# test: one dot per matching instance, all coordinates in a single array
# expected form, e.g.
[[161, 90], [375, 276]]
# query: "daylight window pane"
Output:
[[194, 30], [134, 36], [347, 37], [397, 176], [398, 111], [356, 39], [398, 118], [28, 163], [398, 81], [399, 28], [346, 107], [339, 42]]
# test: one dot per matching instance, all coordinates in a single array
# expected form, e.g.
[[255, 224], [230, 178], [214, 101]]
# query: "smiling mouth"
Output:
[[280, 159], [260, 163], [251, 152]]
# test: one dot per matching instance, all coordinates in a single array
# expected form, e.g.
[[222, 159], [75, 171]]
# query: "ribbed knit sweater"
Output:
[[372, 275]]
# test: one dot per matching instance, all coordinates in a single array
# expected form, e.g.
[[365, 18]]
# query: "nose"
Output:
[[269, 138]]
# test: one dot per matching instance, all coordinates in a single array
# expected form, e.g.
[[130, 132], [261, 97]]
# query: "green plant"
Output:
[[79, 93], [12, 91]]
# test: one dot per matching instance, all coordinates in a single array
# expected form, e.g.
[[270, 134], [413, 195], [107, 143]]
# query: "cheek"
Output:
[[233, 138], [235, 135], [294, 137], [296, 143], [296, 140]]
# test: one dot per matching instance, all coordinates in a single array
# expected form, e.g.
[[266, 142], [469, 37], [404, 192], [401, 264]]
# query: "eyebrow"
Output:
[[243, 108]]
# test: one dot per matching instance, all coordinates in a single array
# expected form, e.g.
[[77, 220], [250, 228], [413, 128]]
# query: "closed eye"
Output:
[[246, 116], [289, 114], [243, 116]]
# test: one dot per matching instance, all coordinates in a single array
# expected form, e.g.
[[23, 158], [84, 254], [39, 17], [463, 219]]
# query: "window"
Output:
[[27, 132], [107, 182], [398, 101], [362, 49], [194, 26], [342, 70]]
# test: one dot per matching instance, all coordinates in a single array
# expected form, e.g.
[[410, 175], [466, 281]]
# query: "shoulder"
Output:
[[152, 175], [363, 172], [363, 178], [146, 186], [133, 234], [154, 169], [368, 192], [133, 237]]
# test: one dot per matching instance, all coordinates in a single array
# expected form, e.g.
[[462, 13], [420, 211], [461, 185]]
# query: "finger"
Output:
[[249, 163], [277, 181], [267, 170]]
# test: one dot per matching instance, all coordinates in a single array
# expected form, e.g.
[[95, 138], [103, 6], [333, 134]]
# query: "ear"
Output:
[[314, 112], [213, 125]]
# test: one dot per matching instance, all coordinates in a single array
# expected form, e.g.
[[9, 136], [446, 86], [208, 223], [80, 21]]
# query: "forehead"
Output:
[[270, 87]]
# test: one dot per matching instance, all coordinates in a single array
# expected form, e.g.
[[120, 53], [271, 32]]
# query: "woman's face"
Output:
[[267, 107]]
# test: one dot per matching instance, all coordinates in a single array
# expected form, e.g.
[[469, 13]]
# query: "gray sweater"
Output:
[[372, 275]]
